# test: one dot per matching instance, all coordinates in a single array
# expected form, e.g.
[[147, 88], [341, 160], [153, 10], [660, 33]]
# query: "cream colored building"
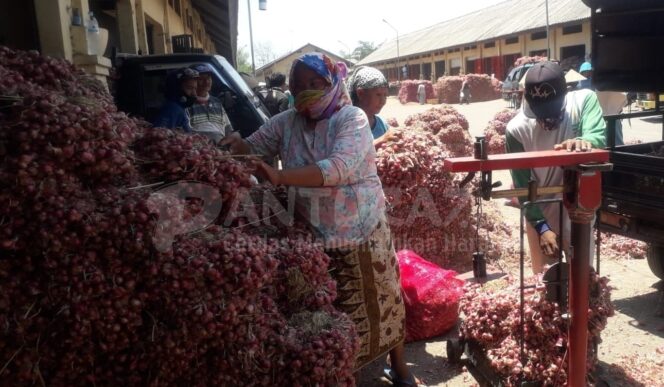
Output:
[[127, 26], [489, 40], [283, 64]]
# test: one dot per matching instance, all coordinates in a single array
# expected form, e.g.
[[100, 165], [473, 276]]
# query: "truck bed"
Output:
[[633, 192]]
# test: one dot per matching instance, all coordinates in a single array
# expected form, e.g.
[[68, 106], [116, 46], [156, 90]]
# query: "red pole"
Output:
[[579, 274], [582, 197]]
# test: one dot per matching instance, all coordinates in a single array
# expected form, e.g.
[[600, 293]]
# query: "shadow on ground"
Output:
[[431, 369], [614, 375], [646, 310]]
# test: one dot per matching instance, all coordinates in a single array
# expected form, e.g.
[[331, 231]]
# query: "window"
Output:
[[471, 47], [578, 52], [573, 29], [454, 50], [176, 5], [426, 71], [473, 66], [512, 40], [414, 71], [440, 68], [539, 35], [489, 44]]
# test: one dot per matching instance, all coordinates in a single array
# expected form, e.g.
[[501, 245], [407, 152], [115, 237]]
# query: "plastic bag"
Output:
[[431, 296]]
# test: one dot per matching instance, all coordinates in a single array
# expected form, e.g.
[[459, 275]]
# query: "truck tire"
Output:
[[655, 257]]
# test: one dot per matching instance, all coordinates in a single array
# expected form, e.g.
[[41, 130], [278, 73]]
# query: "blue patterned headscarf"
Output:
[[321, 104]]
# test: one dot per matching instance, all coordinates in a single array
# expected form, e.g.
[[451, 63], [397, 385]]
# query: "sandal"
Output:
[[411, 381]]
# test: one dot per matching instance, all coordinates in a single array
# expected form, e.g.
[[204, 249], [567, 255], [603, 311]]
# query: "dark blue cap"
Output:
[[202, 68]]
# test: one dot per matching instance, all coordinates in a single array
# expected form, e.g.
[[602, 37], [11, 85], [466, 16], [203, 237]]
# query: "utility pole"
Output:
[[398, 58], [262, 5], [548, 37]]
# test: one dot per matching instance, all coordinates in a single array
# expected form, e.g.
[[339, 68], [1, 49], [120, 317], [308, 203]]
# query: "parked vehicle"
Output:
[[139, 87], [632, 192], [511, 88], [647, 101]]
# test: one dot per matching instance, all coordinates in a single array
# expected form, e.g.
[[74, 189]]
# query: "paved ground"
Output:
[[479, 114], [637, 329]]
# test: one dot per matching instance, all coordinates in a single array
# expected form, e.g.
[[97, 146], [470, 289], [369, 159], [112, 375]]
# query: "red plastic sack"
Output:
[[431, 295]]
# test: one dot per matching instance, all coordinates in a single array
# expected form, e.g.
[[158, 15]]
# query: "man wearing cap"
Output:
[[551, 118], [586, 70], [180, 93], [207, 114], [612, 102]]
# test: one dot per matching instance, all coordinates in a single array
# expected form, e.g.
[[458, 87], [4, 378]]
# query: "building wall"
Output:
[[535, 45], [284, 64], [500, 55], [281, 66], [174, 24], [583, 37]]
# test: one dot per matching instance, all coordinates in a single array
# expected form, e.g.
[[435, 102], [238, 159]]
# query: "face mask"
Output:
[[549, 124], [307, 99]]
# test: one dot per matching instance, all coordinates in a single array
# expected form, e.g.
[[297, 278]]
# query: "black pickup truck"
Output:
[[138, 87], [627, 37]]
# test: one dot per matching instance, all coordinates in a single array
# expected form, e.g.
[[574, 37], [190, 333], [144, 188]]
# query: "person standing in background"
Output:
[[422, 93], [464, 94], [586, 69], [277, 100], [612, 102]]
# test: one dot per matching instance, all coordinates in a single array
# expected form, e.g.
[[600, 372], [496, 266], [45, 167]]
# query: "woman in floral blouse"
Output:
[[326, 149]]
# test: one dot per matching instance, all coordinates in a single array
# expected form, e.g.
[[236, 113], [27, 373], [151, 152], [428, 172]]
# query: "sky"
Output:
[[338, 25]]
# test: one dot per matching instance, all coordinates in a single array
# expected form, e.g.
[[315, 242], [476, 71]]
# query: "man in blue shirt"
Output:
[[180, 93]]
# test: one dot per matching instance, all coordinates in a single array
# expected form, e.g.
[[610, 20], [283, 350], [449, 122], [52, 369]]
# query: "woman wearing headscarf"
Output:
[[325, 146], [368, 90]]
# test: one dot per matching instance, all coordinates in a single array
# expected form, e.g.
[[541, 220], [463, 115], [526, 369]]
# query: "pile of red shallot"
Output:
[[529, 59], [392, 122], [428, 211], [108, 276], [448, 125], [408, 91], [494, 133], [491, 317], [618, 246], [482, 88]]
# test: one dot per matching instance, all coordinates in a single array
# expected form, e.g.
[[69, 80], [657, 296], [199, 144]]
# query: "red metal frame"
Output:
[[582, 197], [526, 160]]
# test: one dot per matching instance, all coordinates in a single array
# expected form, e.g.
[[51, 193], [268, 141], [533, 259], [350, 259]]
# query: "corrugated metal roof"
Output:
[[220, 19], [502, 19]]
